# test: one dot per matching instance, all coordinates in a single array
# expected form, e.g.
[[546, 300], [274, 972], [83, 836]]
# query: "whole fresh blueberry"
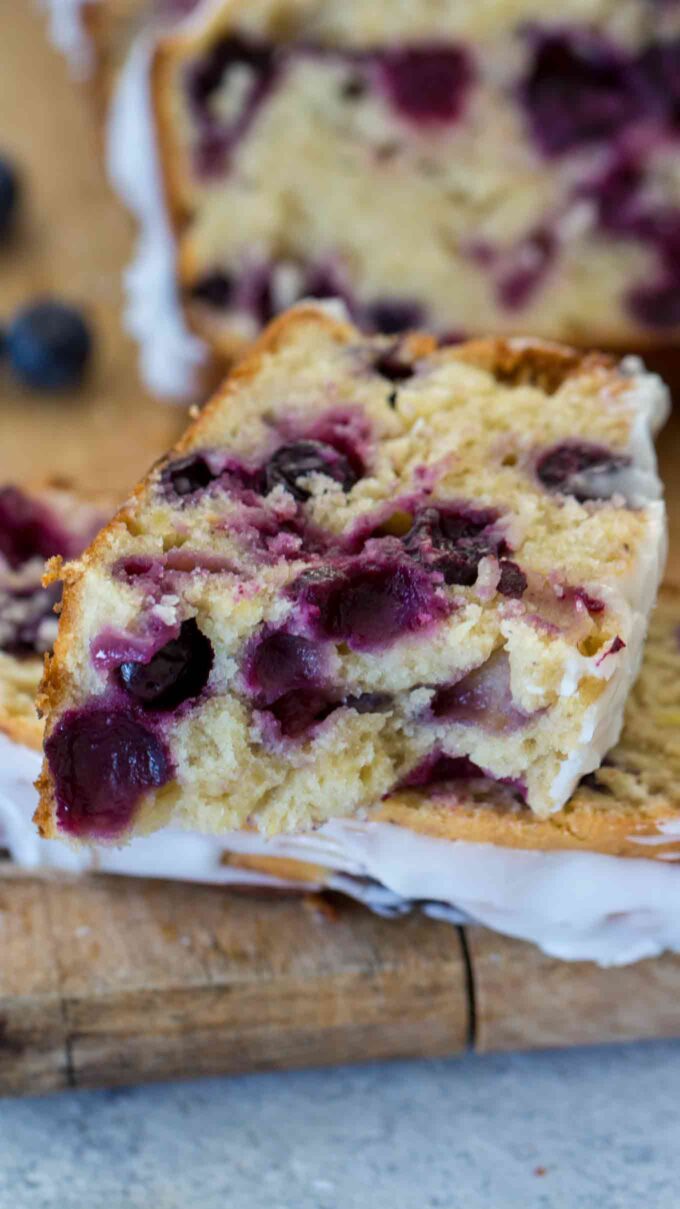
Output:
[[49, 345], [9, 194]]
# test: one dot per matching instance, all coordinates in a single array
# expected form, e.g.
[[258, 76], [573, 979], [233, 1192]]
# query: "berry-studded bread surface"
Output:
[[369, 563], [34, 526], [494, 167]]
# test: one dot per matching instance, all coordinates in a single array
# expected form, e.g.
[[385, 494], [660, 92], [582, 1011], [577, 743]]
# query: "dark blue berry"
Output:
[[49, 345], [216, 289], [454, 538], [9, 195], [298, 459], [572, 469], [103, 761], [186, 476], [369, 606], [176, 673], [428, 84], [513, 582], [392, 316], [281, 663]]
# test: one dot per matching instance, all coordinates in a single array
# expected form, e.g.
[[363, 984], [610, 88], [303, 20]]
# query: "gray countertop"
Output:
[[567, 1130]]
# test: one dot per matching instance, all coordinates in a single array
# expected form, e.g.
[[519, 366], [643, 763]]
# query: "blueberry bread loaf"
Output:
[[366, 559], [472, 168]]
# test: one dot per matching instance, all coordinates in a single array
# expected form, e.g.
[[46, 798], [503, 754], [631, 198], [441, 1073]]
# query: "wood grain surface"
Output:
[[108, 981]]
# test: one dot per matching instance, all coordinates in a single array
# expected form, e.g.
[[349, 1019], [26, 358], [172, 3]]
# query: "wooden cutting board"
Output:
[[108, 981]]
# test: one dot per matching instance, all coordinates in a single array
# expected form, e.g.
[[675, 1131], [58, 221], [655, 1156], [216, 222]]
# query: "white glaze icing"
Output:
[[574, 905], [641, 488], [171, 356], [69, 35]]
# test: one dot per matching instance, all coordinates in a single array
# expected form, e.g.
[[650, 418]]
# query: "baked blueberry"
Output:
[[279, 663], [27, 529], [216, 289], [49, 344], [580, 469], [371, 605], [392, 316], [427, 85], [103, 760], [298, 459], [297, 712], [454, 538], [579, 90], [177, 673], [438, 768], [513, 582], [188, 475]]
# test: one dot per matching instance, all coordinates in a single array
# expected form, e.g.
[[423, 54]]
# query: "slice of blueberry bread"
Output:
[[474, 168], [34, 526], [365, 555]]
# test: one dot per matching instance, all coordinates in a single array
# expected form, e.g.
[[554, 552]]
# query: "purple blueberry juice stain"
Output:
[[528, 265], [427, 85], [346, 429], [369, 603], [277, 663], [579, 89], [513, 582], [103, 760], [584, 600], [438, 769], [28, 530], [579, 468], [657, 305], [176, 673], [392, 316], [217, 138], [658, 71], [287, 676], [295, 461], [615, 647], [188, 477], [296, 714], [482, 698], [628, 209], [114, 646], [453, 538], [335, 444]]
